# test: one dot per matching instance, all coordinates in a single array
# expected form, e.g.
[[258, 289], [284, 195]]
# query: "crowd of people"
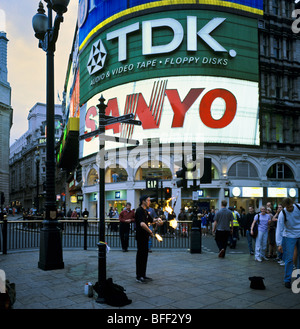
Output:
[[270, 234]]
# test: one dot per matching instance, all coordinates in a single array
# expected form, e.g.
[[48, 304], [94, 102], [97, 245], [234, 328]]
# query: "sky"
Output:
[[26, 63]]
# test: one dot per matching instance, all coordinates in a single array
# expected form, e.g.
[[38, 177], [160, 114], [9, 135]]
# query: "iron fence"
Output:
[[84, 233]]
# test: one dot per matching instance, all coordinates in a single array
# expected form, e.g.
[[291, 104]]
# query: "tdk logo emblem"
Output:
[[97, 57]]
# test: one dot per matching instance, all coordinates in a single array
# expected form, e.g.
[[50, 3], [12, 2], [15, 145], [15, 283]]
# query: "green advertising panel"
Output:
[[170, 44]]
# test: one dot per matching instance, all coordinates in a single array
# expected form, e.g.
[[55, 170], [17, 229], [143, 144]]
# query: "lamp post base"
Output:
[[50, 248], [101, 272], [100, 300]]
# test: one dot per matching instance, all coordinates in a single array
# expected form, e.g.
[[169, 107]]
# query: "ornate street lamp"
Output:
[[47, 32]]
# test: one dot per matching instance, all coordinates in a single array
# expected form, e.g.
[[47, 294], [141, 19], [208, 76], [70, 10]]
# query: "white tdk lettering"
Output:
[[178, 34], [121, 34], [148, 48]]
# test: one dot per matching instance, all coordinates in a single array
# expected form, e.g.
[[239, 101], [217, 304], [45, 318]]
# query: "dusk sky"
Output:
[[27, 63]]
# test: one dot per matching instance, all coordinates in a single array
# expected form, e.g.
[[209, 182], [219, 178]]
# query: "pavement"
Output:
[[181, 280]]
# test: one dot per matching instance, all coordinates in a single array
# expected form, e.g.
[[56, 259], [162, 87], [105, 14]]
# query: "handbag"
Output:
[[255, 228]]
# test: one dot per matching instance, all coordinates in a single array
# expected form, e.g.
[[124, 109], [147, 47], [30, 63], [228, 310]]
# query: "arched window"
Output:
[[116, 174], [153, 169], [242, 169], [92, 177], [214, 172], [280, 171]]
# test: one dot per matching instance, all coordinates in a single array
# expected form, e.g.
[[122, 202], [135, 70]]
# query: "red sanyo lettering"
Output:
[[150, 115], [180, 108], [90, 121], [205, 108]]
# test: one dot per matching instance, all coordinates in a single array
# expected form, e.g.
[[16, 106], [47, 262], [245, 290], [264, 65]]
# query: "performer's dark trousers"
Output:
[[141, 256], [124, 235]]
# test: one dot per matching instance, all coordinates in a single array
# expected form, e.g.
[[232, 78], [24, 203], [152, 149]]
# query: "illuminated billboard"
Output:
[[188, 75], [173, 110]]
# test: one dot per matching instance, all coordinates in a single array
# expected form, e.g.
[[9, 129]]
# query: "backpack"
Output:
[[284, 214], [8, 298], [114, 294], [257, 282], [255, 227]]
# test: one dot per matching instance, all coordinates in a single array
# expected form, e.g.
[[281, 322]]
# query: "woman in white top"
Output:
[[262, 237]]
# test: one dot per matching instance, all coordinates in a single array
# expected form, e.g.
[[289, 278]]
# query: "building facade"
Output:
[[221, 75], [27, 160], [5, 118]]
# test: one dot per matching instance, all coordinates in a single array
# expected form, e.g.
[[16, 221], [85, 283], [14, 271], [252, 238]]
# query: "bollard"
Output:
[[85, 233], [196, 240], [4, 234]]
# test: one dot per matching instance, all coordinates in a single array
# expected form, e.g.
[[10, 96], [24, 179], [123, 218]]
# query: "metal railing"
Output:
[[84, 233]]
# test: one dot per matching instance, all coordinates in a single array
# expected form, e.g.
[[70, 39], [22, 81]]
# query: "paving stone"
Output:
[[181, 281]]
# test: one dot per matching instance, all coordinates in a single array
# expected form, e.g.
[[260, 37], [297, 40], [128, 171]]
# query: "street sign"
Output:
[[133, 122], [109, 120], [112, 120], [110, 138], [89, 135], [122, 140]]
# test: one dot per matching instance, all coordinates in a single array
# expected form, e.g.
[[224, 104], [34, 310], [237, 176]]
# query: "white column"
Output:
[[131, 198]]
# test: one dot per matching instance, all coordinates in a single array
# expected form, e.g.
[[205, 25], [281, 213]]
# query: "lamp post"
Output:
[[47, 33], [101, 199], [37, 163]]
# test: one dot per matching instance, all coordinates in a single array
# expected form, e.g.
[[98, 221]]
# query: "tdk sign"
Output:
[[98, 52]]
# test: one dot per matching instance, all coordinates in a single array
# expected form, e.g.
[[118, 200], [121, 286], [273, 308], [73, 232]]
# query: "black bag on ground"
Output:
[[257, 282], [8, 298], [114, 294]]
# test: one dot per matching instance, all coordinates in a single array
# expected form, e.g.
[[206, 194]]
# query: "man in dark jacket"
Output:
[[142, 218], [247, 225]]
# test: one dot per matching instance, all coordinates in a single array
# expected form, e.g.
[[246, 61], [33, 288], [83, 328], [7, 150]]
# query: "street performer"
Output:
[[142, 218]]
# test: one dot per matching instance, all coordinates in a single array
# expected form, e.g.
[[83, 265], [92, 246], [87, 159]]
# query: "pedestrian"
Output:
[[222, 228], [69, 214], [270, 206], [74, 214], [113, 213], [235, 231], [271, 235], [263, 220], [204, 224], [248, 222], [279, 259], [288, 225], [126, 217], [142, 219], [211, 218], [242, 222], [85, 213], [182, 217]]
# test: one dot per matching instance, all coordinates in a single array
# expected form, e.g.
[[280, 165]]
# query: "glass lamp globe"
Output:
[[60, 6], [40, 22]]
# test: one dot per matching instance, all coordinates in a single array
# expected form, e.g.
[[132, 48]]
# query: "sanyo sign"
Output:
[[148, 47]]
